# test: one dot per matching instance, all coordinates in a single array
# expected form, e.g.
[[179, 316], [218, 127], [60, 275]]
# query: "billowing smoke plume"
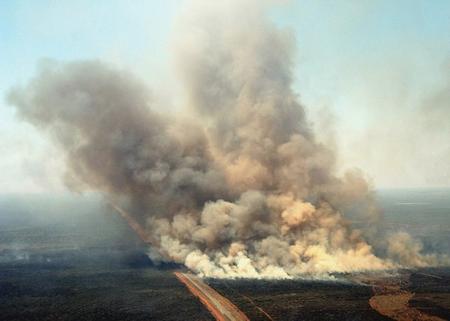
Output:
[[239, 186]]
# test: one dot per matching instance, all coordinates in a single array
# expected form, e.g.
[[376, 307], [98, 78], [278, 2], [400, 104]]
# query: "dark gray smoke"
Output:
[[240, 186]]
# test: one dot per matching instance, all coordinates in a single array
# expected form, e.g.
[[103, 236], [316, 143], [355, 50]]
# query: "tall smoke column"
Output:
[[239, 187]]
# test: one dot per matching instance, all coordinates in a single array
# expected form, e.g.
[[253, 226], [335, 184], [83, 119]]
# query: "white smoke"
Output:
[[238, 188]]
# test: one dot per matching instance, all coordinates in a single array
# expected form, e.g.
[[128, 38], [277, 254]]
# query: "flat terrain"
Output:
[[219, 306], [123, 289], [299, 300], [63, 261], [427, 289], [73, 260]]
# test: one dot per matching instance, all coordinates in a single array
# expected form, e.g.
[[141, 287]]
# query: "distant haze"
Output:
[[232, 182], [372, 74]]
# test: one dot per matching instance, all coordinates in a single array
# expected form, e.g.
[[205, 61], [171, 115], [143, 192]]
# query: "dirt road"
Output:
[[220, 307], [391, 297]]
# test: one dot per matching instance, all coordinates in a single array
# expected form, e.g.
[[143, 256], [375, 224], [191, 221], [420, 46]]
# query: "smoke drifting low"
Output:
[[237, 187]]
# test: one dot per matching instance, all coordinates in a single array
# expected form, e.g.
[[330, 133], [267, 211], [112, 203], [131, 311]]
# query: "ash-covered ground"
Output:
[[72, 258]]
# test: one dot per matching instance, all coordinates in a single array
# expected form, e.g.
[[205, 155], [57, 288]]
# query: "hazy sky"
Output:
[[374, 76]]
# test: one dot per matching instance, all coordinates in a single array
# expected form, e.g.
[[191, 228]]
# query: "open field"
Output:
[[89, 265], [85, 264], [123, 289], [299, 300], [129, 288], [335, 300]]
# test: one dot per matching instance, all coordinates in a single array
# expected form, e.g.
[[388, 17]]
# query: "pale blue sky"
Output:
[[366, 65]]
